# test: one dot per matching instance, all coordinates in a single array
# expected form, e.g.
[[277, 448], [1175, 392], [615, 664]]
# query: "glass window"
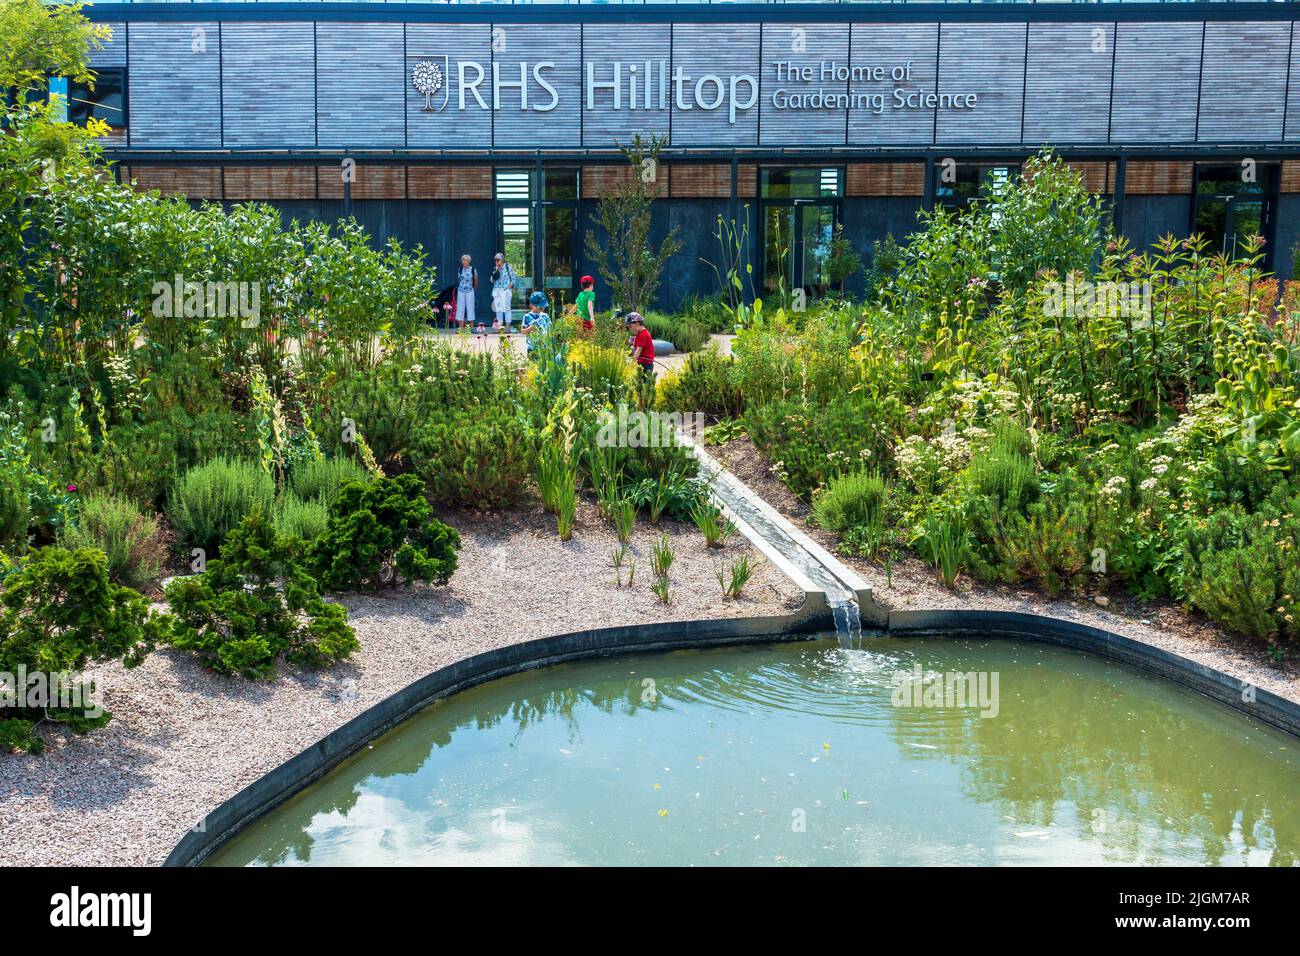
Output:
[[970, 181], [1232, 204], [107, 101], [514, 184], [802, 182], [560, 184]]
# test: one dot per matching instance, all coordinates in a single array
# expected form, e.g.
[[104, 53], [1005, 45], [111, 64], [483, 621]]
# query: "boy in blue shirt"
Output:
[[537, 321]]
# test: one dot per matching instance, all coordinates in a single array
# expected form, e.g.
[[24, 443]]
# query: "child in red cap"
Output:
[[586, 304], [642, 345]]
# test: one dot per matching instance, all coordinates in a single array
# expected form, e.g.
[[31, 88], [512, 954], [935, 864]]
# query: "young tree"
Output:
[[39, 40], [844, 261], [625, 258]]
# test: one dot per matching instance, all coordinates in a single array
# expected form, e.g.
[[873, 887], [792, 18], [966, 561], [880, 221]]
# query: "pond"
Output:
[[909, 752]]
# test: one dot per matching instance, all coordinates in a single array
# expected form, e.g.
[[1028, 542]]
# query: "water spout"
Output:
[[848, 623]]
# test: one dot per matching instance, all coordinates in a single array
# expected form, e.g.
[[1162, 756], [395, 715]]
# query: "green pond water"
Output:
[[806, 754]]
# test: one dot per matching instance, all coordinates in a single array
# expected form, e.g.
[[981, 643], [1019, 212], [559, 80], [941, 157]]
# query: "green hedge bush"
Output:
[[210, 500], [383, 533], [131, 540], [255, 605]]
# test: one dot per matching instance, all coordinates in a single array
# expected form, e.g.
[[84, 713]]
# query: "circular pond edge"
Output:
[[264, 794]]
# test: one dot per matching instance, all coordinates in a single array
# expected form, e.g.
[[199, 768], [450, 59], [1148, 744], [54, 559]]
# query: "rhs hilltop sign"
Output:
[[655, 86]]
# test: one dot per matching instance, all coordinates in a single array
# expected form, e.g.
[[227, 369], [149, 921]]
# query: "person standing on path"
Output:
[[586, 304], [537, 321], [642, 344], [466, 283], [503, 291]]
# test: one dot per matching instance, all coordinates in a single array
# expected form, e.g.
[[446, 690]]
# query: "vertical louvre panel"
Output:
[[447, 126], [359, 85], [1243, 81], [1098, 177], [1158, 178], [718, 50], [270, 182], [537, 127], [803, 127], [635, 45], [1157, 75], [1293, 92], [1067, 86], [987, 59], [449, 182], [1290, 179], [711, 181], [884, 179], [269, 85], [598, 181], [893, 44], [194, 182], [175, 93], [369, 181]]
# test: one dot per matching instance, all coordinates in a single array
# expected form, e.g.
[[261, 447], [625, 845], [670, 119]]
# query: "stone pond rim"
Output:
[[281, 783]]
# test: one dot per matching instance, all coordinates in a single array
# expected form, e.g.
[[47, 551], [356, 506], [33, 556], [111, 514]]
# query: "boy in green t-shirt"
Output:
[[586, 304]]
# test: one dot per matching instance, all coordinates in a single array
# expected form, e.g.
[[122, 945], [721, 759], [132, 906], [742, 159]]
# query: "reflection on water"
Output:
[[796, 754]]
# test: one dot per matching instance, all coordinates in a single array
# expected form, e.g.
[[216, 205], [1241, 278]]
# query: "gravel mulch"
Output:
[[912, 586], [183, 739]]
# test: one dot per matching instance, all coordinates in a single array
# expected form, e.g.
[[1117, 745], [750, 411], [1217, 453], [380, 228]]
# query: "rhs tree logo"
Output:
[[430, 77]]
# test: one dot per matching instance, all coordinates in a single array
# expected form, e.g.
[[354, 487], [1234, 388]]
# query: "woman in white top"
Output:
[[466, 283], [503, 290]]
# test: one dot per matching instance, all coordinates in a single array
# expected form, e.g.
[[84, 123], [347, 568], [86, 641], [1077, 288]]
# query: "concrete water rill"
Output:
[[826, 582]]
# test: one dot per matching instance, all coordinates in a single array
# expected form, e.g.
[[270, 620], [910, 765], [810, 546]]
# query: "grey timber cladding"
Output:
[[634, 45], [1067, 85], [714, 50], [269, 100], [175, 87], [1293, 93], [803, 44], [359, 85], [447, 126], [987, 59], [541, 118], [113, 53], [1157, 82], [1243, 81], [890, 44], [200, 85]]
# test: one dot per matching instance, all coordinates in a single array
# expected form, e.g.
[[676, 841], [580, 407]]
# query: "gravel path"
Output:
[[182, 739], [912, 586]]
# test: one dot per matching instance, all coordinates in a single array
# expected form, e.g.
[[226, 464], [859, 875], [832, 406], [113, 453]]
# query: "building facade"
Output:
[[476, 128]]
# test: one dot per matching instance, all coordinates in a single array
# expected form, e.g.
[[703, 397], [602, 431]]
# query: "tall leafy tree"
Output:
[[624, 255]]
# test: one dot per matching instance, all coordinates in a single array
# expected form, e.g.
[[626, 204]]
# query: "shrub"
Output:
[[809, 446], [300, 519], [382, 533], [606, 372], [852, 500], [708, 382], [15, 513], [1243, 569], [256, 604], [210, 501], [317, 479], [131, 541], [483, 456], [684, 332], [58, 612]]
